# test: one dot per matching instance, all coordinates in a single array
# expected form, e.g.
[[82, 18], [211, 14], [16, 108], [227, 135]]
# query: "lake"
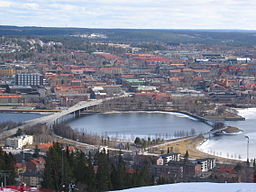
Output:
[[165, 125], [19, 116], [129, 125]]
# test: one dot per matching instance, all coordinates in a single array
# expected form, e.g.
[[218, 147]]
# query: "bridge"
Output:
[[62, 116]]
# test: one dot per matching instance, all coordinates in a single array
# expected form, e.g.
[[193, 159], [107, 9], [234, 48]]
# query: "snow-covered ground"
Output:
[[247, 113], [197, 187]]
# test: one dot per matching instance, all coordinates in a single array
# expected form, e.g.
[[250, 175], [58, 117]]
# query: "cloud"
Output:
[[165, 14], [5, 4], [30, 5]]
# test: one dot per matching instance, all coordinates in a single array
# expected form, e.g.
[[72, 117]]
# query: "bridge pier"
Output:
[[77, 113], [50, 125]]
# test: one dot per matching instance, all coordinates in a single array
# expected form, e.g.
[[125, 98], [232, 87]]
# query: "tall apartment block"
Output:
[[29, 79]]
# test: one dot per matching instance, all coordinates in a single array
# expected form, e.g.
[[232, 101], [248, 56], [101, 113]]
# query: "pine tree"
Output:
[[137, 141], [118, 174], [142, 176], [90, 177], [80, 169], [52, 172], [19, 132], [36, 152], [7, 165], [103, 181], [114, 177], [53, 177], [186, 156]]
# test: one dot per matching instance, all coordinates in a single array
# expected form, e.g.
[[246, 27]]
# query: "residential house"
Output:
[[33, 179], [36, 165], [166, 158], [206, 164], [169, 172]]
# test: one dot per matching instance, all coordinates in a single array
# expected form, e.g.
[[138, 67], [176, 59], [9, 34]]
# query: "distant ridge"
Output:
[[204, 36], [159, 29]]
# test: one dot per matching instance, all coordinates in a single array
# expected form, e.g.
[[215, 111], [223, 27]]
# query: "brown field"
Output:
[[189, 144]]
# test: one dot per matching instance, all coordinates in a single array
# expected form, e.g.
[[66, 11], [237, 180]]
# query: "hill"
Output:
[[197, 187], [230, 37]]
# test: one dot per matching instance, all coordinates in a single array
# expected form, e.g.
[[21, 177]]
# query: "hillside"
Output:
[[230, 37], [197, 187]]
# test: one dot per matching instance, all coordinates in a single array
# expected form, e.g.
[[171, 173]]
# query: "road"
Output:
[[51, 119]]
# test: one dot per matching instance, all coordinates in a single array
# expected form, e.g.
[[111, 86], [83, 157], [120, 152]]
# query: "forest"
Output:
[[228, 37], [98, 172]]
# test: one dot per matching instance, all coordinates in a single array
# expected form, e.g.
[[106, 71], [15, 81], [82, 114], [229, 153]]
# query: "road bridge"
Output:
[[62, 116]]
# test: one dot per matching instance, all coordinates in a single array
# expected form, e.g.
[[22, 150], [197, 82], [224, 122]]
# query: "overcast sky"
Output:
[[151, 14]]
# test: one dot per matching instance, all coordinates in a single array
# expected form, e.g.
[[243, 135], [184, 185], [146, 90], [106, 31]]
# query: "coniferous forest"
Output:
[[7, 170], [89, 173]]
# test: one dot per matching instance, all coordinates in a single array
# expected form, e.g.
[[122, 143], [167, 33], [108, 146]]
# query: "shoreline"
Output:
[[194, 147], [29, 110], [216, 156], [232, 117]]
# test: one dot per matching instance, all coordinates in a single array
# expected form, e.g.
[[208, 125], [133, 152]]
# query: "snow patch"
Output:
[[151, 112], [248, 113], [197, 187]]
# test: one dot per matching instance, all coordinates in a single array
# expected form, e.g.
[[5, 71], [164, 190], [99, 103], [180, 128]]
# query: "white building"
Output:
[[19, 142], [166, 158], [103, 149], [207, 164]]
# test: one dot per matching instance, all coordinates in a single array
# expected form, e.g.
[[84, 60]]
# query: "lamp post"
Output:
[[248, 141], [62, 166]]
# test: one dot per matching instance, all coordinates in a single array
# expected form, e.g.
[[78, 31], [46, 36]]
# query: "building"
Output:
[[26, 79], [19, 142], [33, 179], [206, 164], [191, 170], [36, 165], [19, 89], [172, 173], [20, 168], [103, 149], [9, 71], [166, 158], [11, 99]]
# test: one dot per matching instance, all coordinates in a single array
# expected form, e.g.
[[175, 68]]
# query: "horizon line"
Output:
[[113, 28]]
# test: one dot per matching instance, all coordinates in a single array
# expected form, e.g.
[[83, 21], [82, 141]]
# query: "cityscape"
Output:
[[119, 108]]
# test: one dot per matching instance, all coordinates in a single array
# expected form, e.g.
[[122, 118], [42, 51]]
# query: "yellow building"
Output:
[[10, 71]]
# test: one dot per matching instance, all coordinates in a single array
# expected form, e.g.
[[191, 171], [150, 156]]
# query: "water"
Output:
[[165, 125], [235, 146], [18, 117], [127, 126]]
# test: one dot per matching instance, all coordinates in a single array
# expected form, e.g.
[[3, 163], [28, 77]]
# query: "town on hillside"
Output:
[[203, 80]]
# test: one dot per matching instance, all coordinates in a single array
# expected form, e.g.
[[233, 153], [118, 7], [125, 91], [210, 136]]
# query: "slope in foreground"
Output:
[[197, 187]]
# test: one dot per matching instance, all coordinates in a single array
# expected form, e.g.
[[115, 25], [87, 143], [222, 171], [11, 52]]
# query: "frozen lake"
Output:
[[129, 125], [19, 116], [165, 125], [235, 146]]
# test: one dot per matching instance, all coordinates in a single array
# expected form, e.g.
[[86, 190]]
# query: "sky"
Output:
[[140, 14]]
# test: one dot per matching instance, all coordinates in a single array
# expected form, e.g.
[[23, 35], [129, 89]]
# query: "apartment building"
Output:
[[19, 142], [29, 79]]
